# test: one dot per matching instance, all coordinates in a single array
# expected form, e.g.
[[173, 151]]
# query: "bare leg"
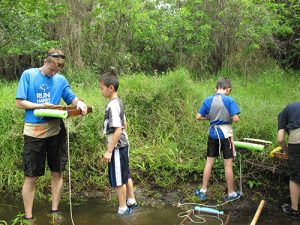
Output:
[[207, 171], [295, 194], [129, 188], [28, 191], [121, 190], [56, 188], [229, 174], [232, 146]]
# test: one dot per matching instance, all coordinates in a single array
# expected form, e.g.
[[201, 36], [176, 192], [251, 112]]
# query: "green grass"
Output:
[[168, 146]]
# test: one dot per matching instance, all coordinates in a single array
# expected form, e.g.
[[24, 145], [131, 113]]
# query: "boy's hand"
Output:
[[107, 156]]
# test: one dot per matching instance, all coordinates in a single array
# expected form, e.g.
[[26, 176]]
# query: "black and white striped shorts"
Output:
[[118, 168]]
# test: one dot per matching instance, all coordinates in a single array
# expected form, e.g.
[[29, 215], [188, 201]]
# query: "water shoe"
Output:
[[126, 213], [56, 216], [133, 206], [233, 198], [29, 221], [202, 195], [286, 208]]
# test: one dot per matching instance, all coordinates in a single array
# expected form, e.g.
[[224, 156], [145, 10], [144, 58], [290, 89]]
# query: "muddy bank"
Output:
[[274, 196]]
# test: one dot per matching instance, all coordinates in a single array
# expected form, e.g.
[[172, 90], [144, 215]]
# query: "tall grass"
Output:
[[168, 146]]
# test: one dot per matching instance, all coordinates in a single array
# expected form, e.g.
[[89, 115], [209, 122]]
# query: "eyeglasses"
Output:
[[56, 55]]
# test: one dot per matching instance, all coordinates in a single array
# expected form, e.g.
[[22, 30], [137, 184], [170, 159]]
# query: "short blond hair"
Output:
[[59, 61]]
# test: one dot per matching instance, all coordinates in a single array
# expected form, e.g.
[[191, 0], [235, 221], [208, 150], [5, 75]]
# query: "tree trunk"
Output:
[[69, 31]]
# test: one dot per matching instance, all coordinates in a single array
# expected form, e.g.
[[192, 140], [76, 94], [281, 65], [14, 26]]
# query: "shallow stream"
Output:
[[100, 212]]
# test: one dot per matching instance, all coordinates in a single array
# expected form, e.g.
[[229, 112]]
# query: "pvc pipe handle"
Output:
[[208, 210], [51, 113], [250, 146]]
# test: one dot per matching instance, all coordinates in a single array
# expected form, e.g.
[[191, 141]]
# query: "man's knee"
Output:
[[56, 175], [31, 180], [228, 163]]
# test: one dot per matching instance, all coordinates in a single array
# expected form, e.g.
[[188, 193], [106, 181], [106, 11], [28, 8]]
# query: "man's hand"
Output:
[[284, 150], [25, 104], [81, 105], [107, 156], [47, 105]]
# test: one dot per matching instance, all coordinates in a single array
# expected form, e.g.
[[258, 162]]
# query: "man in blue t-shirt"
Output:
[[221, 110], [289, 122], [44, 138]]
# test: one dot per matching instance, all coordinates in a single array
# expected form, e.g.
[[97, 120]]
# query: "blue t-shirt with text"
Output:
[[38, 88]]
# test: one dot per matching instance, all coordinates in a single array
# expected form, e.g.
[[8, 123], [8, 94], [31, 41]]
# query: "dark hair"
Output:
[[223, 84], [110, 78]]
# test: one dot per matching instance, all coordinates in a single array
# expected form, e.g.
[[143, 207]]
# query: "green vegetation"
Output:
[[168, 146], [169, 54], [205, 36]]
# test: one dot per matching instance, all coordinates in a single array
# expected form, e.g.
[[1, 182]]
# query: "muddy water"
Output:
[[100, 212]]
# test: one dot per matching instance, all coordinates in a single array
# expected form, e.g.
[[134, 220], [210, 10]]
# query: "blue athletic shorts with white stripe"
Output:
[[118, 168]]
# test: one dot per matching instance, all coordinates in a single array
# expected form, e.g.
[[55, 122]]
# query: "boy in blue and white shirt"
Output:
[[117, 153], [221, 110]]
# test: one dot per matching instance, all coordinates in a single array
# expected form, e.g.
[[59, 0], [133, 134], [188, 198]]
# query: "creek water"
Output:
[[100, 212]]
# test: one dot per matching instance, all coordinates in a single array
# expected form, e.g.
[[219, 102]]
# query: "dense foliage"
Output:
[[202, 35], [168, 146], [169, 54]]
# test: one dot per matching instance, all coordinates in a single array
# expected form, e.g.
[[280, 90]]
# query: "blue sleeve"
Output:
[[233, 108], [22, 89], [204, 109], [282, 120], [67, 94]]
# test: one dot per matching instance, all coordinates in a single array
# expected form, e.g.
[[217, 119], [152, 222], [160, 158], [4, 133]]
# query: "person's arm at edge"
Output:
[[25, 104], [200, 117], [280, 139], [235, 118], [112, 144], [125, 125]]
